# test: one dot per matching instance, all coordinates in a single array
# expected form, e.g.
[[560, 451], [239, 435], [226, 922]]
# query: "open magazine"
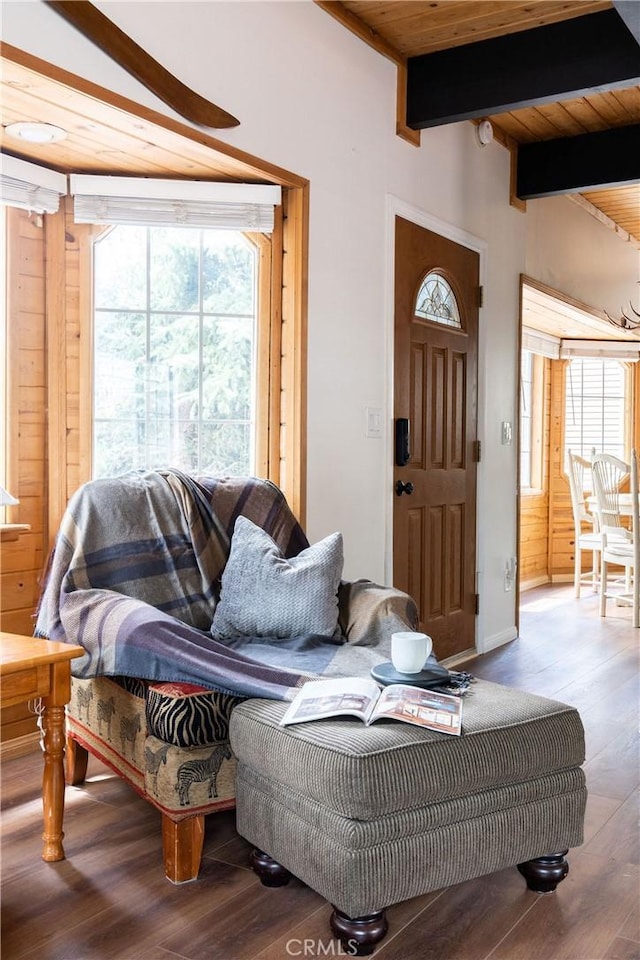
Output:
[[362, 698]]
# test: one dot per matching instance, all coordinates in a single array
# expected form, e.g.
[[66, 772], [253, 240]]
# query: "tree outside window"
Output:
[[174, 351]]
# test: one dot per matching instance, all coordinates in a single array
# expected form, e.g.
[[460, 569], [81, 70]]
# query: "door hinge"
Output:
[[477, 450], [477, 603], [481, 296]]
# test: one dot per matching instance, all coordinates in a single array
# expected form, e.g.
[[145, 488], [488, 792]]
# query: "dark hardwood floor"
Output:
[[109, 900]]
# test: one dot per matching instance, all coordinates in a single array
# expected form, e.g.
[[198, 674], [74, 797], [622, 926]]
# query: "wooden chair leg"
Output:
[[577, 571], [76, 759], [182, 842]]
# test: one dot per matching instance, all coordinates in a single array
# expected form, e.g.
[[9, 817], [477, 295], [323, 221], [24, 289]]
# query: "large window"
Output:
[[596, 406], [174, 351]]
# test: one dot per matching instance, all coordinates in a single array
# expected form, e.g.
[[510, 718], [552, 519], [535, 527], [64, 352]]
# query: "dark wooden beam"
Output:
[[562, 60], [590, 161], [98, 28]]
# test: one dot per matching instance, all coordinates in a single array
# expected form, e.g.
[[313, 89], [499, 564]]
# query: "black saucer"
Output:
[[431, 675]]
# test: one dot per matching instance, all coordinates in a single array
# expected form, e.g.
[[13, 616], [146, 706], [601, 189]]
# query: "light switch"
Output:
[[374, 422], [507, 432]]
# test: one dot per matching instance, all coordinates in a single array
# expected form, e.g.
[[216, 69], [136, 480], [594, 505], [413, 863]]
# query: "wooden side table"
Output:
[[31, 668]]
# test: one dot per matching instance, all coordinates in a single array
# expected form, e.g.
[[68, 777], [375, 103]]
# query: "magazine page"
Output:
[[425, 708], [346, 696]]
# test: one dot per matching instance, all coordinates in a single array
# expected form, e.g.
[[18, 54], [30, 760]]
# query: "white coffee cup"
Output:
[[409, 651]]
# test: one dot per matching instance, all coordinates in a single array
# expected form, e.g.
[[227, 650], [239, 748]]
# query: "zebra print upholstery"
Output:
[[188, 716], [171, 745]]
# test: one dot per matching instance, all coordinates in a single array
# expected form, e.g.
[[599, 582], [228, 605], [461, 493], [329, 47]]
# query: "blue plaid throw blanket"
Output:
[[134, 577], [135, 574]]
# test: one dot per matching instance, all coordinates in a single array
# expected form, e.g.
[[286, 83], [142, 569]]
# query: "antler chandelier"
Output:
[[624, 321]]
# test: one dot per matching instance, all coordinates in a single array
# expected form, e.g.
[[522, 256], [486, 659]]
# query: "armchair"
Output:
[[135, 577]]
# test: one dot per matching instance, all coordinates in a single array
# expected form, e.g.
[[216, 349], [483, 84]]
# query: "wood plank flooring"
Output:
[[109, 900]]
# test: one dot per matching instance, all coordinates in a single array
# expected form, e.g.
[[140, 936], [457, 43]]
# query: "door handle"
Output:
[[406, 487]]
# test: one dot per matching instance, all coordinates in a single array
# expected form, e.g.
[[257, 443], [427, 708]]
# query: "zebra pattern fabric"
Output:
[[187, 715]]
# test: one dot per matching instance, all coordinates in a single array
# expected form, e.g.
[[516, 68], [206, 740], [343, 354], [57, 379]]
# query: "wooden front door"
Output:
[[435, 364]]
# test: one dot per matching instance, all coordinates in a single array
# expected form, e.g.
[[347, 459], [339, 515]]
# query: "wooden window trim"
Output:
[[282, 354]]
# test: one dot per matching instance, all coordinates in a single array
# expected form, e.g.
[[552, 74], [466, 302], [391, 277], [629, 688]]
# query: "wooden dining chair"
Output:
[[579, 471], [620, 544]]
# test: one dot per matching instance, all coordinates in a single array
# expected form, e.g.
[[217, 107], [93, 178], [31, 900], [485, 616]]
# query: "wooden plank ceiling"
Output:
[[405, 29], [109, 134]]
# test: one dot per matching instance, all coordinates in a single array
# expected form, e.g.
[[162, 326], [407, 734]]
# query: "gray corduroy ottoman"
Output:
[[370, 816]]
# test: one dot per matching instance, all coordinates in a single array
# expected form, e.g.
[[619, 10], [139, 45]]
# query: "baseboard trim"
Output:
[[19, 746], [453, 661], [499, 639], [534, 582]]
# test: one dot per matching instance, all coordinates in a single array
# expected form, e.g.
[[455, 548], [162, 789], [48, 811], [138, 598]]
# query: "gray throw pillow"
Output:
[[264, 594]]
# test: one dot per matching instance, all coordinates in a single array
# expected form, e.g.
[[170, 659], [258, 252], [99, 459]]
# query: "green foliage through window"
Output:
[[174, 351]]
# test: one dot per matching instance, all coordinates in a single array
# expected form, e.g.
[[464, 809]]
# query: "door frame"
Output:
[[397, 207]]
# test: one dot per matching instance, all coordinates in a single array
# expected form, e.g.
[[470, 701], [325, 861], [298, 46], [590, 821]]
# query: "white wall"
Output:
[[570, 251], [314, 99]]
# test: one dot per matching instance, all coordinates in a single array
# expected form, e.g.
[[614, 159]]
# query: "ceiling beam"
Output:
[[560, 61], [574, 164]]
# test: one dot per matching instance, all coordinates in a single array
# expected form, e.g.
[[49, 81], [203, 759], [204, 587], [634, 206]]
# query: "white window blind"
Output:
[[543, 344], [139, 201], [29, 186], [595, 406]]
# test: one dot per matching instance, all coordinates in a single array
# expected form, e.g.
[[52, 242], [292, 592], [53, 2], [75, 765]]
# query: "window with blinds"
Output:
[[595, 406]]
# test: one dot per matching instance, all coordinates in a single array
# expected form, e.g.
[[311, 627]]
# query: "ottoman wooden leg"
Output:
[[359, 935], [76, 760], [271, 873], [545, 873]]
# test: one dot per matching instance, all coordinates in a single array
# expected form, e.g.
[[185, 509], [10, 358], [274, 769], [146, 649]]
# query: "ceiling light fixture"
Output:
[[35, 132]]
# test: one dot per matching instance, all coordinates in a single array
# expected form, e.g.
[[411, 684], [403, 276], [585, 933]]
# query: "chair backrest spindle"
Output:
[[610, 474]]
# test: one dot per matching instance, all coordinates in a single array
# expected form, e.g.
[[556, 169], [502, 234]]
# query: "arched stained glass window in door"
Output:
[[436, 301]]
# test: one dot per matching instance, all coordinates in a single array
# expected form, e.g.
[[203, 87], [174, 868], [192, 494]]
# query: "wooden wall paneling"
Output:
[[534, 507], [21, 560], [561, 539], [534, 538]]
